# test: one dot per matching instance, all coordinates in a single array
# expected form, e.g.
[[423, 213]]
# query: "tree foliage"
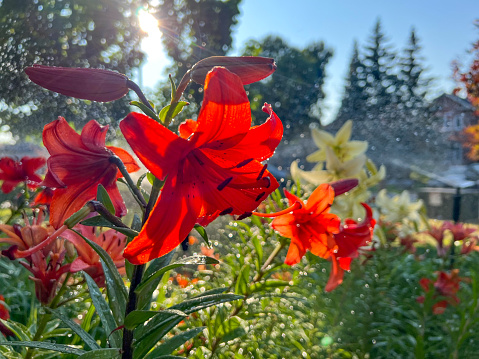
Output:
[[296, 88], [96, 34], [194, 30]]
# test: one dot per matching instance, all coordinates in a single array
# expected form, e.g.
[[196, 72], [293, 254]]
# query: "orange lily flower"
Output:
[[313, 228], [14, 172], [213, 166], [78, 164]]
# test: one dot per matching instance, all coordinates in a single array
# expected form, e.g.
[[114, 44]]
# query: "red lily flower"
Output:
[[5, 315], [78, 164], [44, 197], [14, 172], [213, 167], [88, 260], [89, 84], [351, 237], [446, 285], [311, 227], [458, 230], [45, 257]]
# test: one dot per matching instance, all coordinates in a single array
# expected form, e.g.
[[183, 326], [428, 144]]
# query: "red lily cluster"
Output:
[[459, 233], [211, 168], [313, 228], [5, 315], [445, 288], [13, 172], [45, 262]]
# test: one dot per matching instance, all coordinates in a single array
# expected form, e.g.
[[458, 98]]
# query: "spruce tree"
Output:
[[381, 80], [414, 85], [354, 95]]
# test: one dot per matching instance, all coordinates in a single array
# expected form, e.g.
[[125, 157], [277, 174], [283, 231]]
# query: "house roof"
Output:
[[459, 100]]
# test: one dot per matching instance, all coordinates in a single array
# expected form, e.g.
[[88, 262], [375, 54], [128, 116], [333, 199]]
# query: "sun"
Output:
[[148, 22]]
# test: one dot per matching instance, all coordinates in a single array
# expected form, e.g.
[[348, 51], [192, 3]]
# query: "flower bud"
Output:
[[344, 185], [249, 68], [84, 83]]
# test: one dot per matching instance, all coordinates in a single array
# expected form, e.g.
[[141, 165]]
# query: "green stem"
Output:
[[133, 86], [121, 166], [46, 316], [127, 348]]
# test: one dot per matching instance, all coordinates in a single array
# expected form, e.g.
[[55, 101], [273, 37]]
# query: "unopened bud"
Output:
[[343, 186], [249, 68], [88, 84]]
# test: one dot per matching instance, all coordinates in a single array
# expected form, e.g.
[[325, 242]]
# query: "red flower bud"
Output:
[[249, 68], [344, 185], [88, 84]]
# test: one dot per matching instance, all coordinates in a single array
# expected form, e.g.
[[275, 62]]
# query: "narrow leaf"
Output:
[[158, 321], [141, 316], [194, 304], [144, 298], [146, 110], [171, 344], [103, 311], [103, 353], [99, 221], [270, 283], [231, 329], [202, 232], [116, 290], [103, 196], [87, 338], [196, 260], [242, 283], [47, 346]]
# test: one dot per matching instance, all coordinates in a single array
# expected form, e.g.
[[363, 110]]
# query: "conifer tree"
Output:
[[381, 80], [354, 95], [414, 85]]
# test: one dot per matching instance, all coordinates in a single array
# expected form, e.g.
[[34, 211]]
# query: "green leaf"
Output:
[[196, 260], [116, 290], [103, 311], [147, 336], [103, 196], [173, 343], [242, 283], [201, 302], [231, 329], [103, 353], [136, 317], [202, 232], [146, 110], [270, 283], [144, 298], [87, 338], [99, 221], [173, 87], [177, 109], [258, 248], [158, 320], [47, 346], [150, 177], [140, 180], [20, 331]]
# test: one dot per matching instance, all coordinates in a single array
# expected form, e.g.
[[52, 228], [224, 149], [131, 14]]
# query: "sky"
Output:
[[444, 27]]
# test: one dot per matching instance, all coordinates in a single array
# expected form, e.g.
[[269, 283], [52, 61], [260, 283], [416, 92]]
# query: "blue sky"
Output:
[[444, 27]]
